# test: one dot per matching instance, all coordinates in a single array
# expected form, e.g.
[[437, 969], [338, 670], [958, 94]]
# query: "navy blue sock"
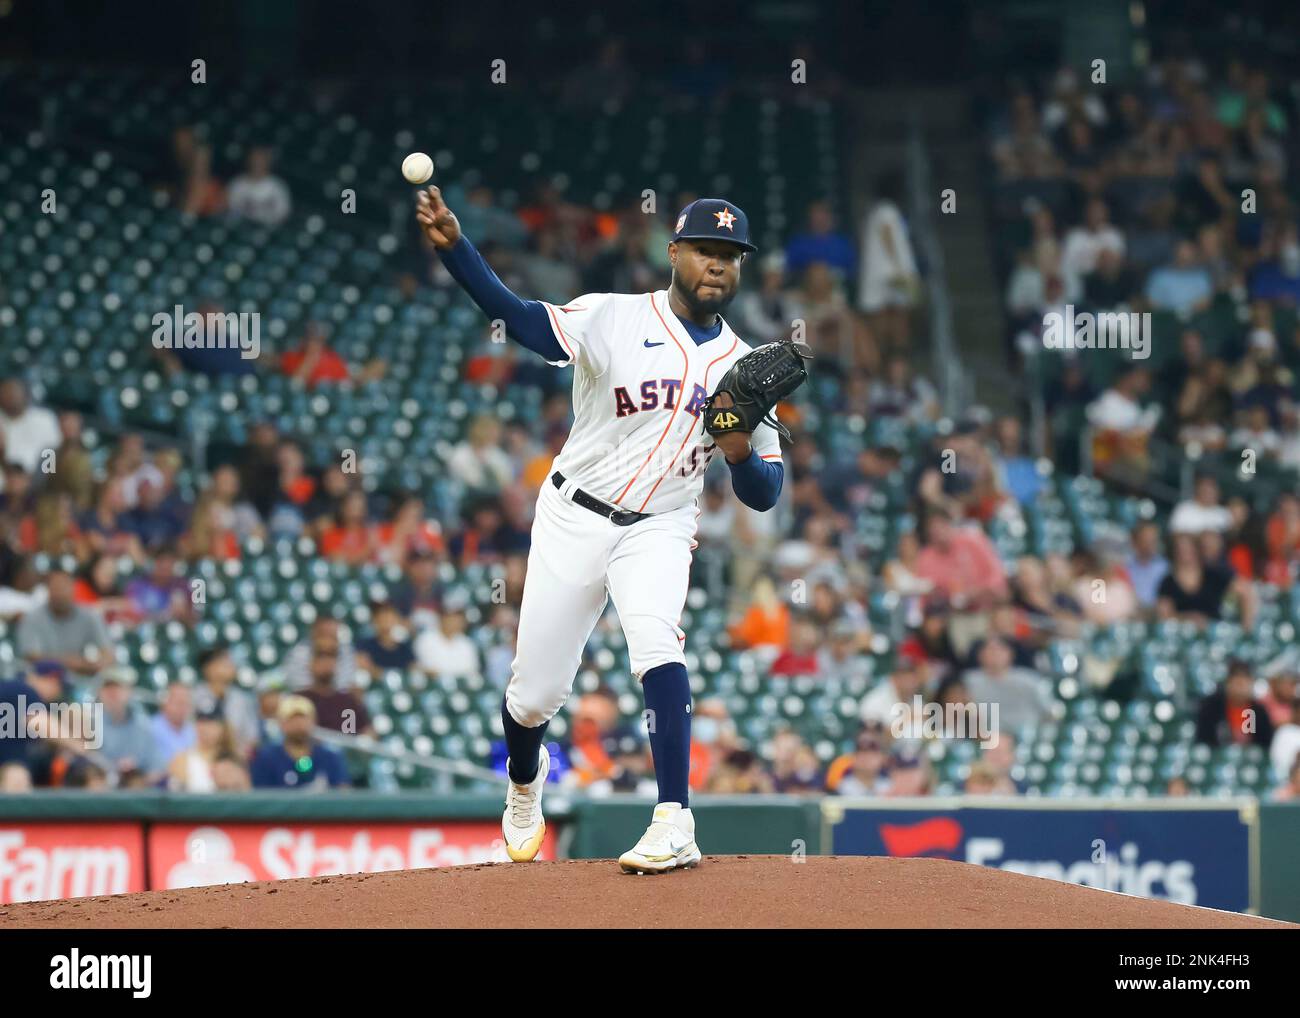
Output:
[[524, 746], [668, 693]]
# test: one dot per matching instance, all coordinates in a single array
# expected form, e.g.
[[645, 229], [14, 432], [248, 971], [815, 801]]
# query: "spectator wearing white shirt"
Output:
[[447, 650], [26, 430], [479, 462], [1084, 245], [1284, 750], [1120, 408], [258, 195], [890, 703], [1202, 512]]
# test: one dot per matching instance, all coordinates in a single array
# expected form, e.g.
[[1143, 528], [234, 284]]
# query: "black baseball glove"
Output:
[[756, 383]]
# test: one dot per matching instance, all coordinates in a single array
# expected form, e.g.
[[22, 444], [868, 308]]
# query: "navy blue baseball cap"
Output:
[[714, 219]]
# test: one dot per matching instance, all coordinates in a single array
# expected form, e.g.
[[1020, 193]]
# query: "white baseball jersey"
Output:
[[638, 386]]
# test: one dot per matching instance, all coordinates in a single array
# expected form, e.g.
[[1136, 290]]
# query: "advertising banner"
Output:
[[1194, 856], [43, 861], [198, 854]]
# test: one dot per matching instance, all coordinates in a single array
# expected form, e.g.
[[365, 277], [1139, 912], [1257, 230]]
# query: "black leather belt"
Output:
[[618, 517]]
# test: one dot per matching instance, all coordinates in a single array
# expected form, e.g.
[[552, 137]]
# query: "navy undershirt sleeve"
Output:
[[527, 321], [757, 482]]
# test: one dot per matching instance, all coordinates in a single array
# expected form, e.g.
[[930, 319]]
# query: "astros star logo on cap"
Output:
[[725, 218]]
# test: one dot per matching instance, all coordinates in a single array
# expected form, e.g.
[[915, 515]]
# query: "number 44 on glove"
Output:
[[755, 384]]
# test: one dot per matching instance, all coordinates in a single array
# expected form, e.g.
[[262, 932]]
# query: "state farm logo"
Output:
[[38, 872], [236, 853]]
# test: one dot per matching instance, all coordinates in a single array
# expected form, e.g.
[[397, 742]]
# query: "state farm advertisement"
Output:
[[195, 855], [39, 862]]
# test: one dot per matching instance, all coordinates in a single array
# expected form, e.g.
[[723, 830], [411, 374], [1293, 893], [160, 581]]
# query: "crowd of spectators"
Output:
[[797, 584]]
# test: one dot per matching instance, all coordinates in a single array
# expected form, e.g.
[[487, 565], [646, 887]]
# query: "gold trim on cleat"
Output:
[[527, 852]]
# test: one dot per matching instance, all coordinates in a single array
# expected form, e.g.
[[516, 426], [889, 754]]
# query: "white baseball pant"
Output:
[[576, 562]]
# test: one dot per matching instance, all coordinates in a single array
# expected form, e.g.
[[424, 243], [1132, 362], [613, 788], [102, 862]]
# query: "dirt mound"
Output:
[[723, 892]]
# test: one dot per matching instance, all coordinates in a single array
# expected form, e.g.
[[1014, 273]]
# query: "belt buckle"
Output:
[[623, 517]]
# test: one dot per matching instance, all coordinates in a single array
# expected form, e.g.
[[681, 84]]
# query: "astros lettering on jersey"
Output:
[[638, 386]]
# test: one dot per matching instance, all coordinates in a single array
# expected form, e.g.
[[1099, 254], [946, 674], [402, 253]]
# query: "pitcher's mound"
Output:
[[724, 891]]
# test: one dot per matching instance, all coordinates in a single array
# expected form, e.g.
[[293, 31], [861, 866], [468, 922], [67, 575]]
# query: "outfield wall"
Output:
[[1235, 854]]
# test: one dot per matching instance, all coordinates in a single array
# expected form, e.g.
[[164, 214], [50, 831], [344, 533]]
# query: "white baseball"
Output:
[[417, 167]]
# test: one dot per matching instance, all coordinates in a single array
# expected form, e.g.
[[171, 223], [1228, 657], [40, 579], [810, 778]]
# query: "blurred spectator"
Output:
[[218, 691], [258, 195], [595, 719], [157, 518], [861, 772], [161, 595], [408, 530], [766, 622], [1290, 791], [19, 699], [1103, 588], [1185, 286], [1021, 695], [889, 286], [800, 657], [1231, 714], [173, 725], [299, 761], [890, 704], [961, 563], [418, 597], [478, 462], [326, 638], [822, 243], [389, 645], [103, 529], [194, 769], [1284, 752], [63, 631], [313, 361], [446, 650], [26, 430], [339, 710], [1085, 244], [351, 538], [202, 194], [713, 735], [1203, 511], [1192, 591], [1017, 473], [15, 779], [1146, 567], [1123, 424], [909, 774], [741, 773], [767, 313], [127, 739], [794, 765]]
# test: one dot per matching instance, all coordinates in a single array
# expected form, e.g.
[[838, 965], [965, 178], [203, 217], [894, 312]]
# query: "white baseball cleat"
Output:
[[522, 824], [668, 843]]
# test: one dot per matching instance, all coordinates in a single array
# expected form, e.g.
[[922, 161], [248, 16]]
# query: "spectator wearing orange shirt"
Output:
[[408, 531], [766, 622], [1282, 534], [351, 539], [313, 362]]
